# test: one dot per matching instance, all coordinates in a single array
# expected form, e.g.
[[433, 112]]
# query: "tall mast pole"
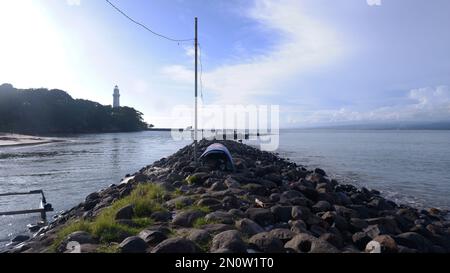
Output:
[[196, 86]]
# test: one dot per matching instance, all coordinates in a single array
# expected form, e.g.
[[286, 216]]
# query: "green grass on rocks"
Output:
[[145, 198]]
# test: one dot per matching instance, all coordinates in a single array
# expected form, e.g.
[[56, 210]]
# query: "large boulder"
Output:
[[230, 240], [199, 236], [176, 245], [283, 234], [263, 217], [133, 244], [266, 242], [152, 237], [248, 227], [125, 213], [414, 240], [282, 213], [220, 217], [187, 218], [305, 243]]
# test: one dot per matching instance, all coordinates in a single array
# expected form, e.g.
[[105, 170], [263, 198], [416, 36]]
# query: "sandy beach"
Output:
[[21, 140]]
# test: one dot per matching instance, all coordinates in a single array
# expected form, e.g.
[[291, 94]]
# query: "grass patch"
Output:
[[108, 248], [146, 199]]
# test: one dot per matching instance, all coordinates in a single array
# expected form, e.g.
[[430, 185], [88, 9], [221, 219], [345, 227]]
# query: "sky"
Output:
[[322, 61]]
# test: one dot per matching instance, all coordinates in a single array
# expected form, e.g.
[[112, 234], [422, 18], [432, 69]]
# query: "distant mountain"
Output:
[[43, 111], [407, 125]]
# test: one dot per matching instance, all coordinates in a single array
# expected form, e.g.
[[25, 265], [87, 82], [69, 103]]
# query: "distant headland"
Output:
[[44, 111]]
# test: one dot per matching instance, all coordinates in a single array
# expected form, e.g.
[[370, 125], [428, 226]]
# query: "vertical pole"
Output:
[[196, 85]]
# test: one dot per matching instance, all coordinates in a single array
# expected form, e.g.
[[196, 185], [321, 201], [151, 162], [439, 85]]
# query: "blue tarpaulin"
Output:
[[220, 150]]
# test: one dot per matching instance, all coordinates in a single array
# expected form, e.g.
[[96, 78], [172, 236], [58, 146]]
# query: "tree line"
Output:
[[44, 111]]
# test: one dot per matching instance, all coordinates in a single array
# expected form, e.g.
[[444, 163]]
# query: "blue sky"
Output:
[[322, 61]]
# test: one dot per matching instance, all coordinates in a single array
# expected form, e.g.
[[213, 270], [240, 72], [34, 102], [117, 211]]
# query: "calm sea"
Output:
[[410, 167]]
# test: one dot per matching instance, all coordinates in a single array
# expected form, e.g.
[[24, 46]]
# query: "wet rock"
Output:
[[152, 237], [133, 244], [248, 227], [320, 171], [229, 240], [261, 216], [176, 245], [124, 213], [187, 218], [20, 238], [267, 243]]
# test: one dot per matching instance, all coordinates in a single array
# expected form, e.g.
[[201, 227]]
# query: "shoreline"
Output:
[[285, 205], [17, 140]]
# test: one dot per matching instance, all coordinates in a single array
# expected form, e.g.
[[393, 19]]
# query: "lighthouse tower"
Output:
[[116, 96]]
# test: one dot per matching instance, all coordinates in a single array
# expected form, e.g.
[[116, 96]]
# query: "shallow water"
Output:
[[407, 166]]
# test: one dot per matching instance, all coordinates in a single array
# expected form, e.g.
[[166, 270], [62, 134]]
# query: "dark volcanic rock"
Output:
[[249, 227], [125, 213], [187, 218], [261, 216], [133, 245], [152, 237], [176, 245], [230, 240], [267, 243], [282, 213]]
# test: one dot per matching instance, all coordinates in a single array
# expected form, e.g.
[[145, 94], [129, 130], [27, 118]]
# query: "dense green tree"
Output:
[[43, 111]]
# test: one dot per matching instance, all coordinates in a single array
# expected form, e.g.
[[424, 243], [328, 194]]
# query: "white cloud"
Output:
[[73, 2], [426, 104], [373, 2], [304, 44]]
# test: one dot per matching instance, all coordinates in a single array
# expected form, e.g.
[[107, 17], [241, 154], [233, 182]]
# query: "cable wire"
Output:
[[145, 27]]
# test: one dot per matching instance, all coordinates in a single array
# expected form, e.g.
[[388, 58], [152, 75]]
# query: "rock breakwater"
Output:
[[267, 205]]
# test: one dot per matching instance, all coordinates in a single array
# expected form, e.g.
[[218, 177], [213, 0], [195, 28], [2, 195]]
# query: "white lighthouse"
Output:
[[116, 96]]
